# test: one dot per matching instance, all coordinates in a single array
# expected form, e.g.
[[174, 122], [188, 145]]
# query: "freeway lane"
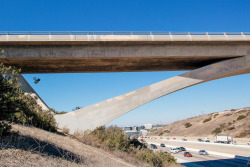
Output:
[[227, 149], [205, 160]]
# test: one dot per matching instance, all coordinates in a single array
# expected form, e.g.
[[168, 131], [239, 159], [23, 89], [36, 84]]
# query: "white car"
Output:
[[248, 143], [203, 152], [174, 150]]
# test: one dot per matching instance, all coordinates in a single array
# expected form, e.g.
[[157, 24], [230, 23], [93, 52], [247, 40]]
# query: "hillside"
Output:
[[235, 122], [36, 147]]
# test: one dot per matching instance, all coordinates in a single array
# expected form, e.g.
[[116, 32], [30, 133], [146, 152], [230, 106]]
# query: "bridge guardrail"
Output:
[[117, 33]]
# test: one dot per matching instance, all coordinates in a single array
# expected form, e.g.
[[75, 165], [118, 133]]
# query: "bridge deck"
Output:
[[118, 52]]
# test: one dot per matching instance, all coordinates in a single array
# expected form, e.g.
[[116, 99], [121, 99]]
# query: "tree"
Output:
[[15, 106]]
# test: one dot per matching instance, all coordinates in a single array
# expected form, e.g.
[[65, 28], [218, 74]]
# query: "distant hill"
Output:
[[235, 122]]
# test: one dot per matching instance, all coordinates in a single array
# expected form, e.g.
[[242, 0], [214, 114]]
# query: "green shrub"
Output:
[[215, 115], [160, 134], [167, 131], [230, 123], [158, 159], [15, 106], [241, 117], [187, 125], [231, 128], [208, 119], [4, 129], [114, 139], [216, 131]]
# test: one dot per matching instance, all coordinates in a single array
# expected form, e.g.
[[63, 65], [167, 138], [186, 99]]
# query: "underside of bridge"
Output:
[[208, 59]]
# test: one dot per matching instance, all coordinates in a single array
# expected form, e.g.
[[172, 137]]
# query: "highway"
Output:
[[197, 160]]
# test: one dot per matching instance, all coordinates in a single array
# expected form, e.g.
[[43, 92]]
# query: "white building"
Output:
[[148, 126]]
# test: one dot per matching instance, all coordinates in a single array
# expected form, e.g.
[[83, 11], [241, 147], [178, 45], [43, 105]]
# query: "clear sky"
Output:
[[64, 92]]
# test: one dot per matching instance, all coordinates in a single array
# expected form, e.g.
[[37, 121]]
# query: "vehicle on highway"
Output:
[[161, 138], [174, 138], [207, 141], [233, 142], [203, 152], [187, 154], [184, 139], [248, 143], [179, 149], [153, 146], [162, 145], [199, 140], [167, 138], [223, 139], [174, 150], [182, 148]]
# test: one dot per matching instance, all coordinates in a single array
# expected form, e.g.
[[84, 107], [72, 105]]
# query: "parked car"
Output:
[[162, 145], [153, 146], [187, 154], [182, 148], [184, 139], [248, 143], [203, 152], [199, 140], [174, 150]]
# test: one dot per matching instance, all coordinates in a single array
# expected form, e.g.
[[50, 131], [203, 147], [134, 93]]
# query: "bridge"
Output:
[[209, 56]]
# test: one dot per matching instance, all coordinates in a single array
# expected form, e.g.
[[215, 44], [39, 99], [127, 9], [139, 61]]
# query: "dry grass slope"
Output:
[[36, 147], [235, 122]]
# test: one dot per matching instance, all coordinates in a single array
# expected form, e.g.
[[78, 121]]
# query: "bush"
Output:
[[215, 115], [241, 117], [167, 131], [15, 106], [160, 134], [216, 131], [208, 119], [187, 125], [113, 139], [158, 159], [231, 128], [4, 129]]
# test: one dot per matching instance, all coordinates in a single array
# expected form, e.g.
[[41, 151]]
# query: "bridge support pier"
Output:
[[101, 113]]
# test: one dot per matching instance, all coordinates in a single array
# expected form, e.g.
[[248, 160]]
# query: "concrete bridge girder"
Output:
[[99, 114]]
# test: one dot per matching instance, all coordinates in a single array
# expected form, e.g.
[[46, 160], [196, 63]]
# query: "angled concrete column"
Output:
[[101, 113], [26, 88]]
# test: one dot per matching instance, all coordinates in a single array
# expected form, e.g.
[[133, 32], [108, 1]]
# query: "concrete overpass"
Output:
[[210, 56]]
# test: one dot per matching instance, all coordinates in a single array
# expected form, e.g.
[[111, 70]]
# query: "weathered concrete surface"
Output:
[[101, 113], [118, 53]]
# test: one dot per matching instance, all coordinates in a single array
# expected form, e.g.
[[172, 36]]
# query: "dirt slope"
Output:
[[226, 121], [36, 147]]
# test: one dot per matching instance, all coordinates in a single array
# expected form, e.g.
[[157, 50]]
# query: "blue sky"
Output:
[[63, 92]]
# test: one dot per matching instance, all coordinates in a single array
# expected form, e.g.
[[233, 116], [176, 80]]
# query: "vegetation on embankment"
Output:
[[17, 107], [235, 122], [114, 140]]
